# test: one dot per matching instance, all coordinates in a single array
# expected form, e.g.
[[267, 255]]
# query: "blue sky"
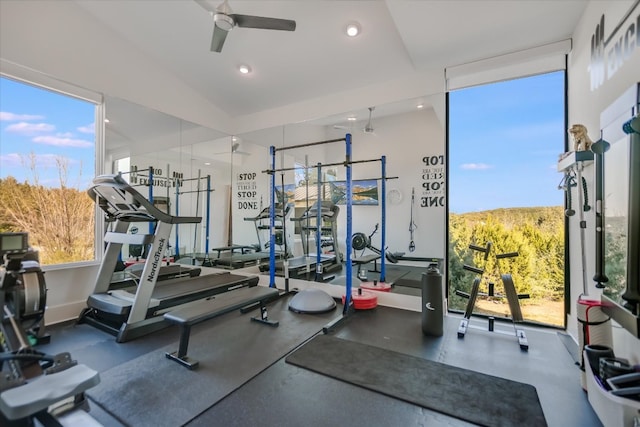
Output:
[[50, 128], [505, 139]]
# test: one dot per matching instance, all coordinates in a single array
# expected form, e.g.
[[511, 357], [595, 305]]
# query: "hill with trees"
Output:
[[536, 234]]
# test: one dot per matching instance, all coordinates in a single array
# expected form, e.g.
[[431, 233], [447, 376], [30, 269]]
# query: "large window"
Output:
[[504, 142], [47, 161]]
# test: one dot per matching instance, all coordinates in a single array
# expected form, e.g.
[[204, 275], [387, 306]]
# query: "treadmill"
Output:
[[131, 312], [232, 259], [306, 266]]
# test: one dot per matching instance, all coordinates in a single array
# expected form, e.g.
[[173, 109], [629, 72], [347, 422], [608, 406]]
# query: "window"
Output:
[[48, 155], [504, 141]]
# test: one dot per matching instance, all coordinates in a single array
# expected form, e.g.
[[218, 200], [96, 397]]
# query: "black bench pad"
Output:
[[219, 304], [213, 307], [366, 259]]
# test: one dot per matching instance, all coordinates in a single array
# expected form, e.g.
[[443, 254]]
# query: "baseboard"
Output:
[[63, 313]]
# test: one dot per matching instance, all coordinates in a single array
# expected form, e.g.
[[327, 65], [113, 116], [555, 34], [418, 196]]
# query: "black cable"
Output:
[[570, 182], [585, 207]]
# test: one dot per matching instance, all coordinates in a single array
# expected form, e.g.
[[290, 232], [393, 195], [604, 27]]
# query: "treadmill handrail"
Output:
[[265, 213], [122, 202], [328, 211]]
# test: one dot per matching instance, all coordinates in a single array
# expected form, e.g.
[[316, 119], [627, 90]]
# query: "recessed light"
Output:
[[420, 106], [234, 138], [353, 29], [207, 163], [106, 120], [244, 69], [351, 119]]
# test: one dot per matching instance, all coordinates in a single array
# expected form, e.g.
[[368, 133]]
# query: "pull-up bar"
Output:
[[309, 144], [345, 163]]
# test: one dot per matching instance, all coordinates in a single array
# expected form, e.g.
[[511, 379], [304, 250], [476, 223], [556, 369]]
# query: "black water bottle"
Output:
[[432, 304]]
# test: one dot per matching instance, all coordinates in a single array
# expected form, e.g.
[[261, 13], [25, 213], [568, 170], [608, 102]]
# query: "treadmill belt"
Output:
[[230, 259], [174, 288], [299, 262]]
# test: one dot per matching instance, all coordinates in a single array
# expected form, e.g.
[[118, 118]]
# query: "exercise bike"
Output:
[[33, 385]]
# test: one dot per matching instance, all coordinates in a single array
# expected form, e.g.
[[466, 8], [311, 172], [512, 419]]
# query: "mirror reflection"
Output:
[[190, 170]]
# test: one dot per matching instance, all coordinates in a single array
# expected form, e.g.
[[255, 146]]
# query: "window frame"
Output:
[[40, 80]]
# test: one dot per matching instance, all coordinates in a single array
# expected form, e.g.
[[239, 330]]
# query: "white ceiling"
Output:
[[401, 40]]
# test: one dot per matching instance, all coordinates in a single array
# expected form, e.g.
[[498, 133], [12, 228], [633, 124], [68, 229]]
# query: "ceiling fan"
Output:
[[234, 150], [368, 127], [225, 20]]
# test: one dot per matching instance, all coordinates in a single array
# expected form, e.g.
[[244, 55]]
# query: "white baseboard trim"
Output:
[[63, 313]]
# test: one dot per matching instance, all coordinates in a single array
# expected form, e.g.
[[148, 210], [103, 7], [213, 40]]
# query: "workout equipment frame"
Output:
[[348, 163], [512, 296], [208, 191]]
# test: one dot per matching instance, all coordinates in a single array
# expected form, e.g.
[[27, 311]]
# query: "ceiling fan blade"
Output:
[[264, 23], [206, 5], [217, 41]]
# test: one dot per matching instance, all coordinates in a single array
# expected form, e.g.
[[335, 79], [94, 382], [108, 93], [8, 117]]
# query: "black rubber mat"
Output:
[[151, 390], [471, 396]]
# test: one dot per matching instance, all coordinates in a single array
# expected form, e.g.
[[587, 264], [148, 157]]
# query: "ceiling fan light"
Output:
[[224, 22], [353, 29]]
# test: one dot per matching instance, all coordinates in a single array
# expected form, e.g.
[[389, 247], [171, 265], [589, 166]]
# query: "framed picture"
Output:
[[363, 192]]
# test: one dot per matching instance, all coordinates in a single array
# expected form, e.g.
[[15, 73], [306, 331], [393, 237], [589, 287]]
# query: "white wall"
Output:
[[405, 140], [585, 106]]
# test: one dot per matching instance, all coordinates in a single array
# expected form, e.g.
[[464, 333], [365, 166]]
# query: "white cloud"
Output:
[[62, 141], [30, 128], [40, 160], [6, 116], [475, 166], [90, 128], [11, 160]]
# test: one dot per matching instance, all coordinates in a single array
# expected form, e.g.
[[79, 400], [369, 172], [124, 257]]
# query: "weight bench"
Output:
[[212, 307], [366, 259]]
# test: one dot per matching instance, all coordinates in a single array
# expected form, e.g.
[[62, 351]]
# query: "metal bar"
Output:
[[353, 162], [195, 234], [383, 274], [272, 221], [305, 233], [507, 255], [193, 179], [168, 195], [177, 251], [319, 225], [136, 171], [583, 226], [151, 224], [269, 171], [349, 195], [309, 144], [198, 191], [206, 244]]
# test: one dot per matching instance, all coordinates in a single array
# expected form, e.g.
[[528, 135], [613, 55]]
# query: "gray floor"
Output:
[[284, 395]]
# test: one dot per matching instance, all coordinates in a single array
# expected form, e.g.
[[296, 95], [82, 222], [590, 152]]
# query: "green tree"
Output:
[[60, 221]]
